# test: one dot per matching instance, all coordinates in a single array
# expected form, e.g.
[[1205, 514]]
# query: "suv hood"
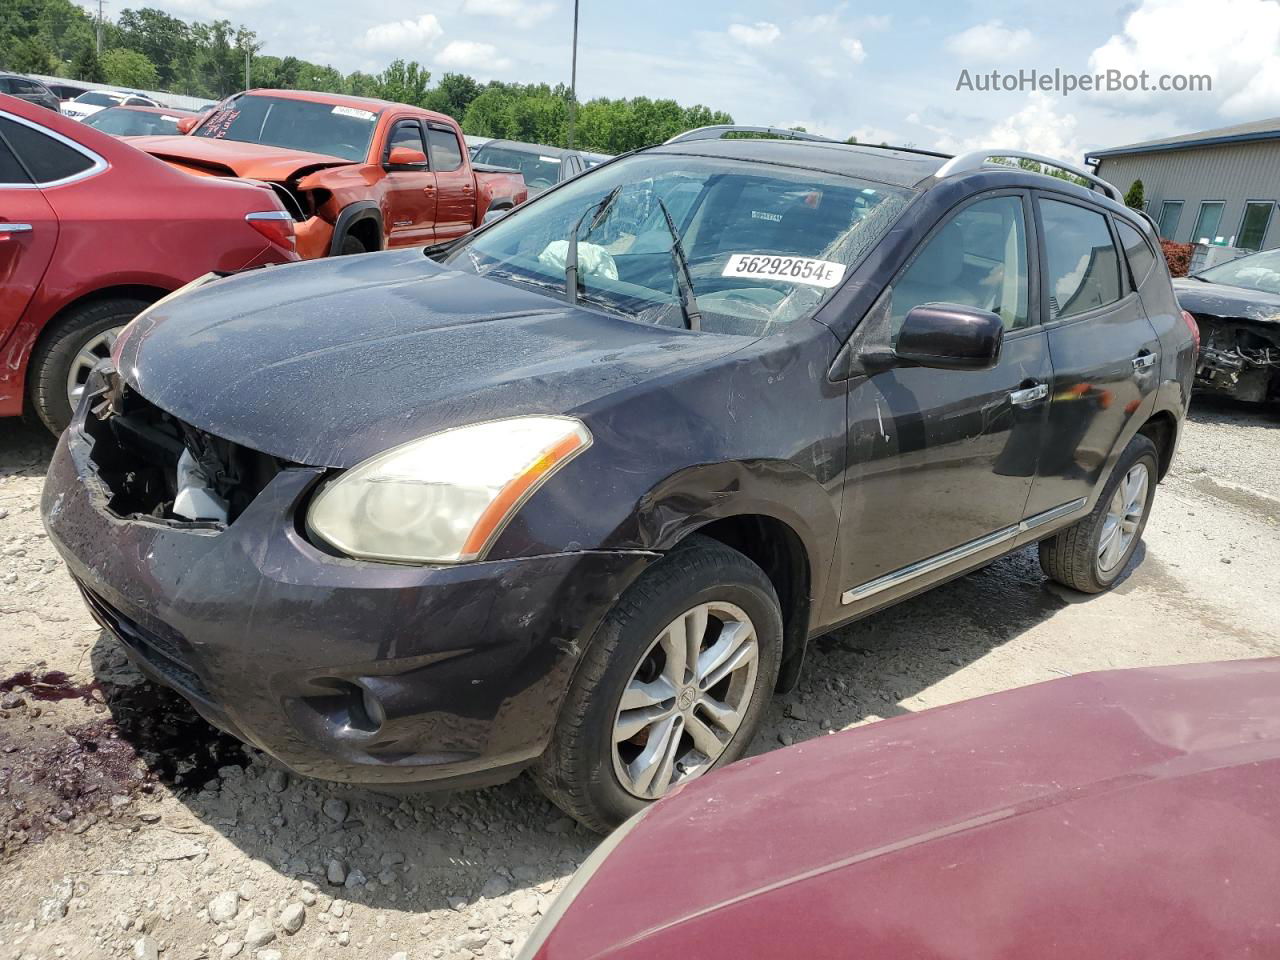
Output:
[[328, 362], [231, 158]]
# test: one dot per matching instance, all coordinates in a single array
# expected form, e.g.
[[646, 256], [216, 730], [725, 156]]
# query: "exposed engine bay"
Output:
[[157, 467], [1239, 358]]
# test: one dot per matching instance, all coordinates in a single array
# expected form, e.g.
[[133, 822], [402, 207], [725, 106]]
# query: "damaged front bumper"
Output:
[[345, 670]]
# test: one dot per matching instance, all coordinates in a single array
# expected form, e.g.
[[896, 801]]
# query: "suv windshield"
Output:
[[334, 130], [540, 170], [1258, 272], [764, 244]]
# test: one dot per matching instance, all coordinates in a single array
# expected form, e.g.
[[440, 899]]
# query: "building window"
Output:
[[1207, 222], [1253, 226], [1170, 213]]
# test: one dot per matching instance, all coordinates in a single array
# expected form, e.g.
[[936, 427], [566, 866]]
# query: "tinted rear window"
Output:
[[1136, 248], [49, 160], [446, 155], [540, 171], [133, 123], [10, 170], [95, 99]]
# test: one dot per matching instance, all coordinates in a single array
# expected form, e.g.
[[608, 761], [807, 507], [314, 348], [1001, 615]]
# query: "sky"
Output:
[[883, 70]]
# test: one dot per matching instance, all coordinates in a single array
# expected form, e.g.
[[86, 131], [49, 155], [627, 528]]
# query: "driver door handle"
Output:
[[15, 228], [1144, 360], [1029, 395]]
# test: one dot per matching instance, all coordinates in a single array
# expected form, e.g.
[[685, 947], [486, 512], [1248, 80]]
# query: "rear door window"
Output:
[[49, 160], [446, 153], [1083, 265]]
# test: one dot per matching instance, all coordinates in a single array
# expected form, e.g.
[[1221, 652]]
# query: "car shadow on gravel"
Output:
[[1226, 411], [25, 448]]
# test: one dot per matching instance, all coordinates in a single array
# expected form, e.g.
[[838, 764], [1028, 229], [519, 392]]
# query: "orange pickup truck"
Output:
[[356, 174]]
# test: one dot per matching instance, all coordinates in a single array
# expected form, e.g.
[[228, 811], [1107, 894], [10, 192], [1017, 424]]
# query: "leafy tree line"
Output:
[[149, 49]]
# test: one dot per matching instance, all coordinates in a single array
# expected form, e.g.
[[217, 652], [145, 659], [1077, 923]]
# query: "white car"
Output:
[[91, 101]]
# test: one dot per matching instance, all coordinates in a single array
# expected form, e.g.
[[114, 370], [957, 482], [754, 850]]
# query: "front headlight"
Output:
[[444, 498]]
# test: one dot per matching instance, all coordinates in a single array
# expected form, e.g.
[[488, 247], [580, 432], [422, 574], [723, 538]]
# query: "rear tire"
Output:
[[701, 590], [1077, 557], [52, 362]]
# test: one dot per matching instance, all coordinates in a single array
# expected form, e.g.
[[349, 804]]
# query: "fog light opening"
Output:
[[366, 711]]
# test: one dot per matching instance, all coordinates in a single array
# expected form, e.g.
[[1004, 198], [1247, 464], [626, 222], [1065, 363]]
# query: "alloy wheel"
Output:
[[1124, 515], [686, 699], [95, 350]]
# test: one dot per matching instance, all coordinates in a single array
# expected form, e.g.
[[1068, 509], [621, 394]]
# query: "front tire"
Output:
[[673, 685], [61, 364], [1091, 555], [351, 246]]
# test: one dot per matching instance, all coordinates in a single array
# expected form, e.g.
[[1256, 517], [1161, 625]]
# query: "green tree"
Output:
[[31, 55], [1134, 198], [163, 39], [359, 84], [129, 68], [87, 66], [404, 82], [452, 95]]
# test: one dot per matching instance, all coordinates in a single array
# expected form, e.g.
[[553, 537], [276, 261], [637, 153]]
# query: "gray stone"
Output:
[[277, 781], [392, 859], [269, 955], [336, 809], [495, 886], [232, 949], [472, 940], [336, 872], [355, 879], [259, 933], [146, 948], [223, 907], [525, 904], [292, 918]]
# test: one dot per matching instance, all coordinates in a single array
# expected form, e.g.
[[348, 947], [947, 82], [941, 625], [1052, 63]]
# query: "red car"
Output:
[[1124, 814], [92, 231]]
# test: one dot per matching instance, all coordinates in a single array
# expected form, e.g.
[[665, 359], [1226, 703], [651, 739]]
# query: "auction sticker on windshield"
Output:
[[817, 273], [353, 112]]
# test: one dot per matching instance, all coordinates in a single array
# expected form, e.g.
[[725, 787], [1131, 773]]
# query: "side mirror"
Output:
[[187, 124], [491, 215], [949, 336], [405, 157]]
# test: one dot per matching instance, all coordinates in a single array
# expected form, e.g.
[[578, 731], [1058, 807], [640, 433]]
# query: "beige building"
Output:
[[1221, 183]]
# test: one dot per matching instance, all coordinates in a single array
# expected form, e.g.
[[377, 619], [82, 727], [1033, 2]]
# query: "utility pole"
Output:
[[573, 78], [247, 84], [99, 43]]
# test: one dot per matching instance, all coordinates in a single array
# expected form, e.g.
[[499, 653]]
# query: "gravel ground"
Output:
[[132, 829]]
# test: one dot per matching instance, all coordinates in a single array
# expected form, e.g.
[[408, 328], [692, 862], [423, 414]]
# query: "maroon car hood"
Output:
[[1123, 814], [231, 158]]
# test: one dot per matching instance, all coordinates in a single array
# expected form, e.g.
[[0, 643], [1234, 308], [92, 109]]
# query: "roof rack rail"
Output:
[[977, 159], [721, 130]]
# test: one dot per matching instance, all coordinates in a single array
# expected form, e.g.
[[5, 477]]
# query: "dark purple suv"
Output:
[[573, 493]]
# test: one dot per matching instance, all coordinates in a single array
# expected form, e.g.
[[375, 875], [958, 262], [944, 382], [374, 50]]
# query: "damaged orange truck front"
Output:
[[357, 174]]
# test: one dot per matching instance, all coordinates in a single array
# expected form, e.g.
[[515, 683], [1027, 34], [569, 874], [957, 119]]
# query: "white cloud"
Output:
[[1038, 127], [760, 34], [853, 47], [523, 13], [403, 34], [1236, 42], [991, 41], [470, 55], [818, 23]]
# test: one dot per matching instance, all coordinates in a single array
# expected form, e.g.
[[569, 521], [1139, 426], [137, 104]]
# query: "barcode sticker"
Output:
[[817, 273]]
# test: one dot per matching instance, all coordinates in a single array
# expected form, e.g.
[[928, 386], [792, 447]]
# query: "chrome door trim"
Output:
[[15, 228], [956, 554], [1053, 513]]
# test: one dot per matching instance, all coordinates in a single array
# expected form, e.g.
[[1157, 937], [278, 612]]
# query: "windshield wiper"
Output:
[[684, 280], [571, 254]]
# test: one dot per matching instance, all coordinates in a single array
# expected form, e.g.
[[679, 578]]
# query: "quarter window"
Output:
[[1137, 250], [978, 259], [11, 171], [445, 153], [1084, 268], [49, 160], [1170, 214]]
